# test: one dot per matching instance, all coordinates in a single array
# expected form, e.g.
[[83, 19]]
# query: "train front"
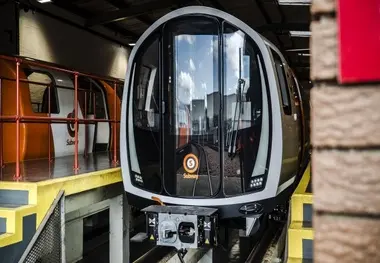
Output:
[[197, 126]]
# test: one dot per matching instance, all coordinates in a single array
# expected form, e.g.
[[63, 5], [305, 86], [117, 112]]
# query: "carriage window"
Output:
[[285, 96], [39, 93], [94, 100], [146, 118], [146, 102], [100, 107]]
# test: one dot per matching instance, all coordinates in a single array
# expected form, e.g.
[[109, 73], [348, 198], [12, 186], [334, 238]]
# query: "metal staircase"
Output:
[[18, 220]]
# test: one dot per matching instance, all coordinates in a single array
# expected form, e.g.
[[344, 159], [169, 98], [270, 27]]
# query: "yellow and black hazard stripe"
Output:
[[300, 231], [302, 201]]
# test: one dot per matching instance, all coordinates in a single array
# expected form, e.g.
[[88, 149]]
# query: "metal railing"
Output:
[[18, 118]]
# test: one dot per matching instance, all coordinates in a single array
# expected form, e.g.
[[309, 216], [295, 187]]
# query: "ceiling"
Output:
[[130, 18]]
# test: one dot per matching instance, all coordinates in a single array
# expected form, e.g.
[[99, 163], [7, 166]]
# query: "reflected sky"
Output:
[[196, 63]]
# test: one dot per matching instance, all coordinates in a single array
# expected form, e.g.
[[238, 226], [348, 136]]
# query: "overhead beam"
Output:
[[283, 28], [217, 5], [66, 5], [122, 4], [70, 18], [131, 12], [268, 20]]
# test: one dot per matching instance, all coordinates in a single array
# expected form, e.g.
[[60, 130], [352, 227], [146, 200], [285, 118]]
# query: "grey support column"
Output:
[[119, 230]]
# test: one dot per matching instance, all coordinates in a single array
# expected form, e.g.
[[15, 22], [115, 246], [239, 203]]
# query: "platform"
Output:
[[43, 169], [300, 231], [24, 204]]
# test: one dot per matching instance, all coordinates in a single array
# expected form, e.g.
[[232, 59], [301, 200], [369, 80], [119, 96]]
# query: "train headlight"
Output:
[[257, 182]]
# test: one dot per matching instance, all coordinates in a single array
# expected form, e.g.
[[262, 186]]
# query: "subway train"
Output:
[[96, 100], [245, 141]]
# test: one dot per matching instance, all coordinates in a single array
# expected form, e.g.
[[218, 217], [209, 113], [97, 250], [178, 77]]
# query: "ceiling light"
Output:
[[43, 1], [303, 55], [300, 33], [294, 2], [131, 44]]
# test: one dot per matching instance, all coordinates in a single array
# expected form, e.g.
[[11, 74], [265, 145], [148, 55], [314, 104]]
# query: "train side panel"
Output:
[[33, 101], [33, 136]]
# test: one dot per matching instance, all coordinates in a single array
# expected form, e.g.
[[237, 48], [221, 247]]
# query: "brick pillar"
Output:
[[345, 133]]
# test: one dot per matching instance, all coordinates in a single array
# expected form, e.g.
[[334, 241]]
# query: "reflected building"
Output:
[[198, 113]]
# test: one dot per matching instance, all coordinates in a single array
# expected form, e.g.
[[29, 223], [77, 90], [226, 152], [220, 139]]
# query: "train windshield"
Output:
[[198, 108]]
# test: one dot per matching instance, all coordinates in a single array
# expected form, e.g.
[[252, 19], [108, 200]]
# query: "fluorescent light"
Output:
[[300, 33], [303, 55], [43, 1], [59, 80], [294, 2], [132, 44]]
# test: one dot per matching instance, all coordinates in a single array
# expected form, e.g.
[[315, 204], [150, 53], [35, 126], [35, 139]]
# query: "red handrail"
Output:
[[18, 118]]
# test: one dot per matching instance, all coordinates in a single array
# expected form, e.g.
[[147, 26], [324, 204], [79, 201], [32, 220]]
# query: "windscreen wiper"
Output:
[[236, 120], [238, 111]]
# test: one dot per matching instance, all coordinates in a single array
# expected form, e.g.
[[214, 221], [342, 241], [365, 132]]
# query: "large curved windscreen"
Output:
[[243, 114], [191, 145], [200, 111]]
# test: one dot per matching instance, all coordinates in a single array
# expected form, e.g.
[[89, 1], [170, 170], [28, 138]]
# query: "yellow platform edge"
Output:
[[42, 195], [295, 237], [301, 197], [294, 260], [297, 233], [297, 206], [14, 217], [48, 190], [302, 186]]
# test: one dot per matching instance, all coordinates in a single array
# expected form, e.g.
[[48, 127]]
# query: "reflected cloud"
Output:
[[213, 46], [189, 38], [233, 43], [192, 65], [186, 87]]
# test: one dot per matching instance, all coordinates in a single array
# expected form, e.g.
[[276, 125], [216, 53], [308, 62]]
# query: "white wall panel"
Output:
[[51, 40]]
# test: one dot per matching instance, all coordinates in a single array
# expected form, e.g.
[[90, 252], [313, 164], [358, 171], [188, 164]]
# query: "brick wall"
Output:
[[346, 161]]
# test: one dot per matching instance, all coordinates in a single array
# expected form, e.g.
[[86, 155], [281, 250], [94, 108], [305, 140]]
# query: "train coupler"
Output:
[[182, 227]]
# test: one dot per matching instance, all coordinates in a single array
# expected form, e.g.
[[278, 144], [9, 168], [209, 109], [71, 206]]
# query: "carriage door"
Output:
[[64, 133], [297, 115], [92, 103], [191, 107]]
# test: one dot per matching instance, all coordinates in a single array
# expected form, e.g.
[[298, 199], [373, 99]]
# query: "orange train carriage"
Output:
[[46, 111]]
